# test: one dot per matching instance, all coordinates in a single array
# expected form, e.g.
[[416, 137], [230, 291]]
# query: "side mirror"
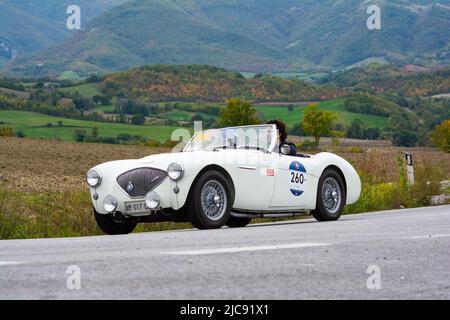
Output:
[[285, 149]]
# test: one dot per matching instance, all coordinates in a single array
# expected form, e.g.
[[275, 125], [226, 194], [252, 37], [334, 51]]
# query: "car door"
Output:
[[292, 183], [254, 180]]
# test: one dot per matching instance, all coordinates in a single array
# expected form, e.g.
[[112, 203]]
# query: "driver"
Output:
[[282, 136]]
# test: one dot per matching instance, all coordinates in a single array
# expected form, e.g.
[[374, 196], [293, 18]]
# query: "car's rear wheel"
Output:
[[111, 226], [235, 222], [210, 201], [331, 196]]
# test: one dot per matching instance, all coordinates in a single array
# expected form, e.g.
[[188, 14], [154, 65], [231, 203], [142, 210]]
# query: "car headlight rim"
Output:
[[93, 178], [175, 171], [110, 204]]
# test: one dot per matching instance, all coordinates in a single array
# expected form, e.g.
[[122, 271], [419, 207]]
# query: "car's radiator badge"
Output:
[[130, 187]]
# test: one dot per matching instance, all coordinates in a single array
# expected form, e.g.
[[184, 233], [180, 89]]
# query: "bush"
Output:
[[79, 135], [169, 144], [138, 119], [6, 132], [152, 143], [441, 136], [405, 138]]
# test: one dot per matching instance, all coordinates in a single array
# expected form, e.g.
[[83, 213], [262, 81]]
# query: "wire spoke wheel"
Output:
[[213, 200], [331, 195]]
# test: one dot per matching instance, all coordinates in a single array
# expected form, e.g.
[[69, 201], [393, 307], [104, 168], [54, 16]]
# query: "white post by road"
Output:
[[410, 168]]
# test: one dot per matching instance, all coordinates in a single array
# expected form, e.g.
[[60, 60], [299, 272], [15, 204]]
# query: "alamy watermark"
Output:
[[374, 20], [74, 20], [374, 280], [73, 281]]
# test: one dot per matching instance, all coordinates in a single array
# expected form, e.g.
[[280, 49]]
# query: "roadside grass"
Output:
[[377, 195], [56, 215]]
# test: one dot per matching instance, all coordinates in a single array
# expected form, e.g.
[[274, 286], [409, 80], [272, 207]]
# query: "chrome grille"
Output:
[[138, 182]]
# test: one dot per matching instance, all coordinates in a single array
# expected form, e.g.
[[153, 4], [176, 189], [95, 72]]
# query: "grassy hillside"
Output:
[[346, 117], [87, 90], [34, 125]]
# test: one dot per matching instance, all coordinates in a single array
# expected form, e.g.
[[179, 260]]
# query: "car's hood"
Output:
[[159, 161]]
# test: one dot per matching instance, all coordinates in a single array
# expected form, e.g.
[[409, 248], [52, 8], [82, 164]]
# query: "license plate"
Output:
[[136, 207]]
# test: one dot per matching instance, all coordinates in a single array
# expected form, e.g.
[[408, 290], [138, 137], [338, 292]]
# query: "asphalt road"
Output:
[[408, 249]]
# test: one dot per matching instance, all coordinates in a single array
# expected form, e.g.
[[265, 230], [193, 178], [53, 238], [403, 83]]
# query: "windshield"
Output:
[[259, 137]]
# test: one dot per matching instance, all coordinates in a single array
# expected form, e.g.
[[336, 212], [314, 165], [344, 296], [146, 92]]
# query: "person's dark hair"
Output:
[[281, 128]]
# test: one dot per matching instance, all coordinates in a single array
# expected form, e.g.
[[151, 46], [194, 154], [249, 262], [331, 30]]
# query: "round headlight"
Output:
[[175, 171], [152, 200], [93, 178], [110, 204]]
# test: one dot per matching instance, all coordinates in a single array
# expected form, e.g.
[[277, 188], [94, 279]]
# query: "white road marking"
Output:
[[430, 236], [10, 263], [247, 249]]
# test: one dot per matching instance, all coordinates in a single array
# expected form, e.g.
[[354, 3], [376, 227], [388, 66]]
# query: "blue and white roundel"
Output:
[[297, 166], [297, 178]]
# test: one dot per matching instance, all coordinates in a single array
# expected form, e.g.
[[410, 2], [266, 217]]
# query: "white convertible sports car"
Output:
[[222, 177]]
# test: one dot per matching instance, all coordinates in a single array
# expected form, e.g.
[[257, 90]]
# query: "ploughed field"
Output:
[[43, 191]]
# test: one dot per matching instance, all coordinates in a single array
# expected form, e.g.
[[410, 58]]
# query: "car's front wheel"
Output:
[[210, 201], [331, 197], [111, 226]]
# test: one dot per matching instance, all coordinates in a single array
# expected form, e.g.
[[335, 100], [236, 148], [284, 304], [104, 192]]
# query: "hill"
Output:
[[205, 83], [404, 80], [252, 35], [30, 26]]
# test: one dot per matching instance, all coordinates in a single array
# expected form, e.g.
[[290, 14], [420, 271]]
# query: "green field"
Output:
[[104, 109], [178, 115], [69, 75], [87, 90], [296, 115], [34, 125]]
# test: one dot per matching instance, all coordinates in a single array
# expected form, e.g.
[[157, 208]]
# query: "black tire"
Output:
[[334, 210], [197, 215], [110, 226], [235, 222]]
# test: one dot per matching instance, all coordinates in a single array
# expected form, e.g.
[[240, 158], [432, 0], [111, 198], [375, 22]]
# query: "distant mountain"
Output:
[[251, 35], [28, 26]]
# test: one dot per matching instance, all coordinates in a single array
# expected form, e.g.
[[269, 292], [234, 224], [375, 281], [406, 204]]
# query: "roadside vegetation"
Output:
[[43, 191]]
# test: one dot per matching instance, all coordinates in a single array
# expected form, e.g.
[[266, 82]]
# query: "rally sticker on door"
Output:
[[297, 178]]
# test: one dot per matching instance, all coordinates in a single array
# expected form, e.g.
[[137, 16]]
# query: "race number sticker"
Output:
[[296, 178]]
